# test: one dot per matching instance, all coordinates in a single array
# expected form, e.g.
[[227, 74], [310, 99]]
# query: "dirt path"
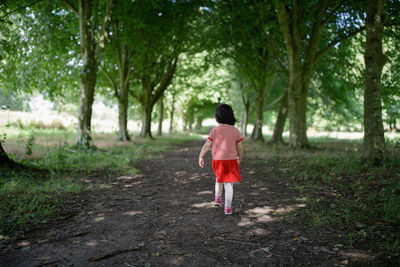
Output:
[[164, 216]]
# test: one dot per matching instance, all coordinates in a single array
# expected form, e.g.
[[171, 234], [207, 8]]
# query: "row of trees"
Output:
[[279, 50], [290, 38]]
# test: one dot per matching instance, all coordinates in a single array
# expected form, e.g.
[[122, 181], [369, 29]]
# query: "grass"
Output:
[[35, 194], [358, 200]]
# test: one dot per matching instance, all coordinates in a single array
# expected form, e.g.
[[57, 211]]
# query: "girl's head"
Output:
[[224, 114]]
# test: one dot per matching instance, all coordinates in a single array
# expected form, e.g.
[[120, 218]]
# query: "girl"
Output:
[[227, 153]]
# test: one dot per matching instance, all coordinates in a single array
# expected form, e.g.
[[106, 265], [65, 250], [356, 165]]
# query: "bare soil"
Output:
[[164, 216]]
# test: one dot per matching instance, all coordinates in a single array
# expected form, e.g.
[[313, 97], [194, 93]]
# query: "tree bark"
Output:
[[146, 122], [199, 123], [246, 105], [289, 24], [280, 120], [160, 115], [171, 114], [147, 107], [151, 94], [257, 132], [123, 116], [245, 122], [5, 161], [374, 140], [88, 75]]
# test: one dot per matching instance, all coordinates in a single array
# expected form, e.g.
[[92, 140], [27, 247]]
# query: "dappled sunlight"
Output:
[[259, 232], [207, 192], [24, 244], [356, 254], [288, 208], [100, 217], [130, 177], [133, 212], [125, 177], [245, 221], [105, 186], [266, 214], [265, 219], [177, 261], [92, 243], [185, 149], [195, 177], [260, 210], [203, 205], [132, 184], [180, 173]]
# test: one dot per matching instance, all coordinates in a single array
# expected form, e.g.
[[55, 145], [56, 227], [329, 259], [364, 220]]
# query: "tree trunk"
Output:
[[280, 120], [245, 121], [246, 104], [171, 114], [199, 123], [123, 115], [374, 139], [259, 114], [160, 115], [5, 161], [253, 132], [87, 75], [146, 122]]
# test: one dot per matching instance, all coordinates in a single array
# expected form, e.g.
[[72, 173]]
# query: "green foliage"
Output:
[[197, 110], [29, 197], [29, 144], [35, 194], [340, 191]]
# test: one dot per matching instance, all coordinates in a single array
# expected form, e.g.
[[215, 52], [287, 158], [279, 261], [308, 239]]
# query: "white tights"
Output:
[[228, 192]]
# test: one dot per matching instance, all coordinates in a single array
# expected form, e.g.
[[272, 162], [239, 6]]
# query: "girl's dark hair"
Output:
[[224, 114]]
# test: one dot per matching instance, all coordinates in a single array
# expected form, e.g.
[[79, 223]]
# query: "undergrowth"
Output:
[[34, 193], [359, 200]]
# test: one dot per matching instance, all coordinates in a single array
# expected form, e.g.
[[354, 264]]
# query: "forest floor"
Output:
[[164, 216]]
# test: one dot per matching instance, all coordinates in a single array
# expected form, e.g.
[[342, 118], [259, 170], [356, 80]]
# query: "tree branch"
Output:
[[111, 80], [166, 80], [275, 53], [19, 8], [71, 6], [332, 14], [106, 22], [323, 51], [271, 105], [134, 95]]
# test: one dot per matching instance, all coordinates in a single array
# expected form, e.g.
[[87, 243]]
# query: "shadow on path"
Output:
[[164, 216]]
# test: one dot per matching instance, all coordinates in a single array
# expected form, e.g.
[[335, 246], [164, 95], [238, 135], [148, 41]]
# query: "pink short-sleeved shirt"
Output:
[[224, 138]]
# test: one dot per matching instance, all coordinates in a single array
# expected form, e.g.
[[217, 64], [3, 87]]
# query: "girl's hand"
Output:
[[201, 162]]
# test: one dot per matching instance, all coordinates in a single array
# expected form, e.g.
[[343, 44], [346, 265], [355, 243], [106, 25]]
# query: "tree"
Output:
[[280, 120], [92, 43], [310, 30], [163, 32], [374, 140], [160, 115], [241, 36], [117, 63]]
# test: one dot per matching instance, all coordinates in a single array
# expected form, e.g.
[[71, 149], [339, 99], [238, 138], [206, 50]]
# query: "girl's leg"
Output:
[[228, 194], [218, 189]]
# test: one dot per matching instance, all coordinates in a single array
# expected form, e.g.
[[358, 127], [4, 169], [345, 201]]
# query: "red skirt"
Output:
[[226, 171]]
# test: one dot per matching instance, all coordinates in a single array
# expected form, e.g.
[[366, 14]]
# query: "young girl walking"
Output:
[[227, 153]]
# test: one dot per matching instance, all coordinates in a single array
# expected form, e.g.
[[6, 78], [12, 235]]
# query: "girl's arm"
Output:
[[239, 148], [203, 151]]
